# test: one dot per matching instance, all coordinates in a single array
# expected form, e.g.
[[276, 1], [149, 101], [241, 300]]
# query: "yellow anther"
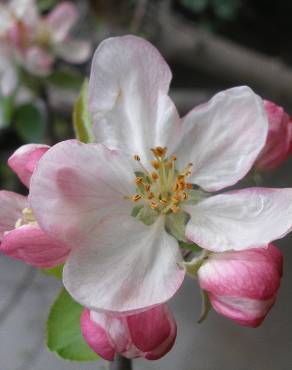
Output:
[[154, 176], [175, 209], [176, 198], [137, 158], [184, 196], [173, 157], [176, 187], [139, 180], [189, 186], [159, 151], [153, 205], [150, 195], [136, 197], [163, 201], [155, 164]]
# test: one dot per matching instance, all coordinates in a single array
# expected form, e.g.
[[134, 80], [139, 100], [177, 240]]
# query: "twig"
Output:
[[121, 363], [217, 56]]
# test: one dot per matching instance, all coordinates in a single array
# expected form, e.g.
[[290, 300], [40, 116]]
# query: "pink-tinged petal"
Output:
[[74, 51], [24, 160], [253, 273], [242, 286], [128, 99], [31, 245], [223, 138], [149, 334], [38, 61], [242, 219], [96, 337], [61, 19], [165, 346], [244, 311], [79, 184], [128, 267], [150, 329], [11, 206], [276, 149]]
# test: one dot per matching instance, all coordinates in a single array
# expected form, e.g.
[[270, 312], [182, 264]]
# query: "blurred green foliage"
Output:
[[225, 9]]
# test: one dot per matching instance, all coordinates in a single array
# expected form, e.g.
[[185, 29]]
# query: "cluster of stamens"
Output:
[[163, 188], [26, 219]]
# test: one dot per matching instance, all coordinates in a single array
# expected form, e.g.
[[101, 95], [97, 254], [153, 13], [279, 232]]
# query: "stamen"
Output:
[[147, 187], [137, 158], [139, 180], [136, 197], [189, 186], [155, 164], [153, 205], [159, 151], [175, 209], [154, 176], [163, 201]]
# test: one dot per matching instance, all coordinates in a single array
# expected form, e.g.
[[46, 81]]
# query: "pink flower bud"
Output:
[[242, 286], [149, 334], [279, 139]]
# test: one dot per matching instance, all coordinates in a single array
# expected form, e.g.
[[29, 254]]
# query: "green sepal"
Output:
[[63, 330], [81, 117], [147, 215], [194, 196], [175, 224], [206, 306], [57, 272], [190, 246]]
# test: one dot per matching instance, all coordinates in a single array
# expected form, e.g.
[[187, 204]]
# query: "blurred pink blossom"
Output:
[[37, 40]]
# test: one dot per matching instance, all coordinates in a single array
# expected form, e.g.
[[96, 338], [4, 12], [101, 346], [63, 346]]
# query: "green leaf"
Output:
[[29, 123], [57, 272], [81, 117], [6, 110], [191, 246], [66, 79], [226, 9], [175, 224], [63, 330]]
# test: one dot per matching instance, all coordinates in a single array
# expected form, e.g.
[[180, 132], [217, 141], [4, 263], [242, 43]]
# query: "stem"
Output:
[[121, 363]]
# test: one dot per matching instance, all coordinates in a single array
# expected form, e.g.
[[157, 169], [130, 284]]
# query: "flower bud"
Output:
[[279, 140], [242, 286], [149, 334]]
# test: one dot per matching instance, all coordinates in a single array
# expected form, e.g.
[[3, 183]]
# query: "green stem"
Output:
[[121, 363]]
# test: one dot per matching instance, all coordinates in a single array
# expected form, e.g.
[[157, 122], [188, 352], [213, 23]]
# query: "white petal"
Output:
[[76, 184], [129, 267], [128, 98], [241, 219], [223, 138]]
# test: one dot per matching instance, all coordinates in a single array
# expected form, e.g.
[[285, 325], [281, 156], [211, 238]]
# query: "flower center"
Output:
[[26, 219], [165, 188]]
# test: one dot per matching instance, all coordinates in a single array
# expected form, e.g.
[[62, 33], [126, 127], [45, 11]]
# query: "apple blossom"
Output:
[[36, 40], [117, 204], [149, 334], [20, 235], [279, 139], [242, 285]]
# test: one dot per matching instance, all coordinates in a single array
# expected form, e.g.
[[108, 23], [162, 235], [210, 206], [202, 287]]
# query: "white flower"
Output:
[[85, 195]]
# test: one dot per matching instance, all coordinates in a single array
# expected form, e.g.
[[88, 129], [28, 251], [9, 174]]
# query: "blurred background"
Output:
[[210, 45]]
